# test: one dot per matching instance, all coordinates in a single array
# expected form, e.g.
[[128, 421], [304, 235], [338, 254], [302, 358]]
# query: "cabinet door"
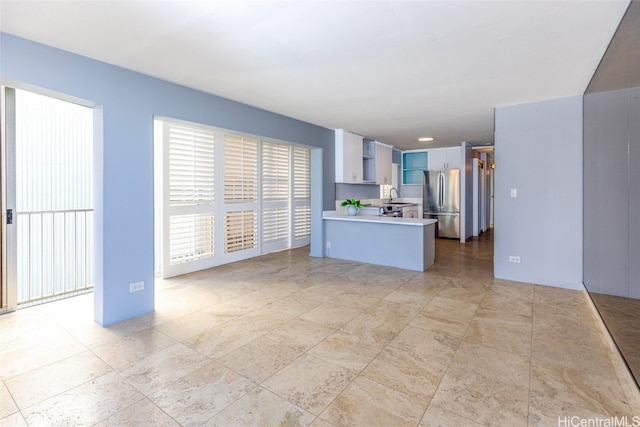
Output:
[[453, 155], [383, 164], [444, 158], [354, 160], [437, 159], [348, 155]]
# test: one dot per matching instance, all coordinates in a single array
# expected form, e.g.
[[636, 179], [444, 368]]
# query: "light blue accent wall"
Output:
[[538, 151], [126, 103]]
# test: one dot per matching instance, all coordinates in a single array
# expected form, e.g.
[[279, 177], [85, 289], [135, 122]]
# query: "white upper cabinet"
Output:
[[377, 162], [383, 163], [444, 158], [349, 155]]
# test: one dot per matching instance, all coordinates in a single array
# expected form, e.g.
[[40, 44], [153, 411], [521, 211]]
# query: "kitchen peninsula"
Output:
[[407, 243]]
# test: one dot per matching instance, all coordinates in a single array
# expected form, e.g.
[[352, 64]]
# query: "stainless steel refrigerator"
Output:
[[441, 200]]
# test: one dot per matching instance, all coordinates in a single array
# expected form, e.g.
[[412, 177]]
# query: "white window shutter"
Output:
[[302, 222], [188, 199], [301, 196], [191, 237], [241, 229], [228, 197], [240, 169], [275, 172], [275, 196], [241, 203], [191, 166]]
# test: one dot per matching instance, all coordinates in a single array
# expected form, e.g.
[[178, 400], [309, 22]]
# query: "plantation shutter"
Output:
[[241, 203], [301, 171], [188, 199], [275, 196], [226, 196]]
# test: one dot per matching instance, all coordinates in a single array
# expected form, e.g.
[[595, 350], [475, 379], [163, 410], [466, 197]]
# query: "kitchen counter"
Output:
[[418, 222], [407, 243]]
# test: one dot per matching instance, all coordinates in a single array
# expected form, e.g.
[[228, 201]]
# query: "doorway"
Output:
[[47, 164]]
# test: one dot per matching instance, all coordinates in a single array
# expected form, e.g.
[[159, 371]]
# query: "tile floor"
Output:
[[286, 339]]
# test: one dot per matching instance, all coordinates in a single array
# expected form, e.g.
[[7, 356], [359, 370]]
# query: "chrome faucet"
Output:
[[391, 194]]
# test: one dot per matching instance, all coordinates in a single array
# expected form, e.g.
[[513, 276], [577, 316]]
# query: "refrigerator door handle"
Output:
[[438, 205], [438, 184], [444, 186]]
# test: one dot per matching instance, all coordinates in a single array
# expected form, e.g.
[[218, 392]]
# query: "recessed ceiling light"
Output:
[[426, 139]]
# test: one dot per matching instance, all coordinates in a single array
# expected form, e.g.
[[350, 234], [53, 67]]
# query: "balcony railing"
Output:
[[55, 254]]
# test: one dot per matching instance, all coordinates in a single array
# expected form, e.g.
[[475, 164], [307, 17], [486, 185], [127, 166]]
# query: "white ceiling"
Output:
[[389, 70]]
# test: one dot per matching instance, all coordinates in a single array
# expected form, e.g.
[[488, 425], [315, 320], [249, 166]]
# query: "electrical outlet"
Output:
[[136, 287], [328, 245], [515, 259], [514, 192]]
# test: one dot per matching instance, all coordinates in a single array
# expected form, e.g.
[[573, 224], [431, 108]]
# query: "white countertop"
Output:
[[419, 222]]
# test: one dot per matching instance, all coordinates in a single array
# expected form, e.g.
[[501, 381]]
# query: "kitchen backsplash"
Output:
[[357, 191], [411, 191]]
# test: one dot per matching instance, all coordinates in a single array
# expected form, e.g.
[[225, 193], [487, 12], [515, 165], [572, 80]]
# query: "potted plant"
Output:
[[352, 205]]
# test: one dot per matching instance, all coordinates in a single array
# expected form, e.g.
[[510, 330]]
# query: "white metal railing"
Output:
[[55, 254]]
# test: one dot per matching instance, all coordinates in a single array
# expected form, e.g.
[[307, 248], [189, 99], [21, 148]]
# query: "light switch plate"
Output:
[[514, 192]]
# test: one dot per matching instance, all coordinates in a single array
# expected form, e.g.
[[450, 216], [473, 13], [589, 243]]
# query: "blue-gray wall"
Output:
[[125, 104], [538, 151]]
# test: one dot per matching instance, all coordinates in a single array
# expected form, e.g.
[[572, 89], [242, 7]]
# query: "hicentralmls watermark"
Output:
[[599, 422]]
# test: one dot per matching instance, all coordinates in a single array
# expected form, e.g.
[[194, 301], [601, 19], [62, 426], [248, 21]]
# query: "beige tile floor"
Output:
[[287, 339]]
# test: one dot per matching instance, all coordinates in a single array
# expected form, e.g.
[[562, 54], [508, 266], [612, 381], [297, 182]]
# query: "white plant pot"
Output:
[[352, 210]]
